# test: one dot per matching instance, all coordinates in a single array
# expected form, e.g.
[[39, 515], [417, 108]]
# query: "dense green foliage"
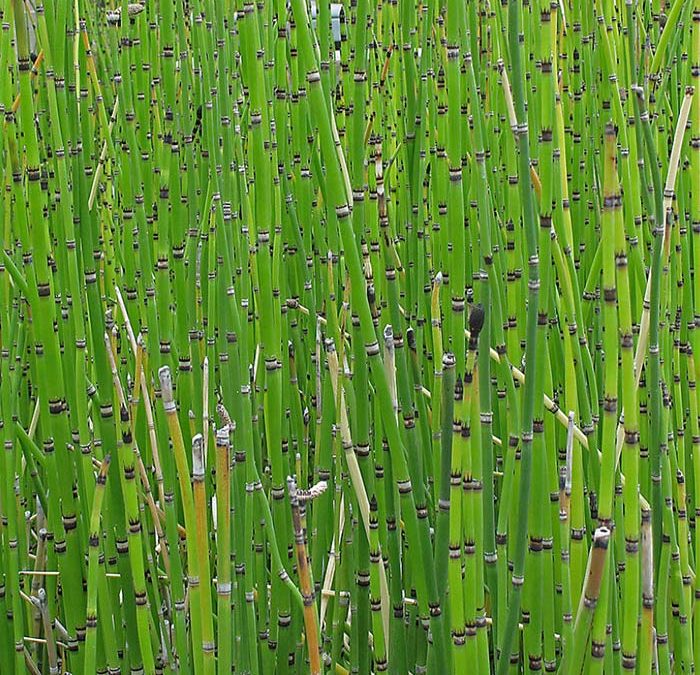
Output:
[[349, 338]]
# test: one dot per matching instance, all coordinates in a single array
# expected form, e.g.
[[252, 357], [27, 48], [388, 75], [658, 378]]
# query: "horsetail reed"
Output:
[[350, 337]]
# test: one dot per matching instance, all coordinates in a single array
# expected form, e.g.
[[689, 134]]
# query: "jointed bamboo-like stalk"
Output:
[[433, 261]]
